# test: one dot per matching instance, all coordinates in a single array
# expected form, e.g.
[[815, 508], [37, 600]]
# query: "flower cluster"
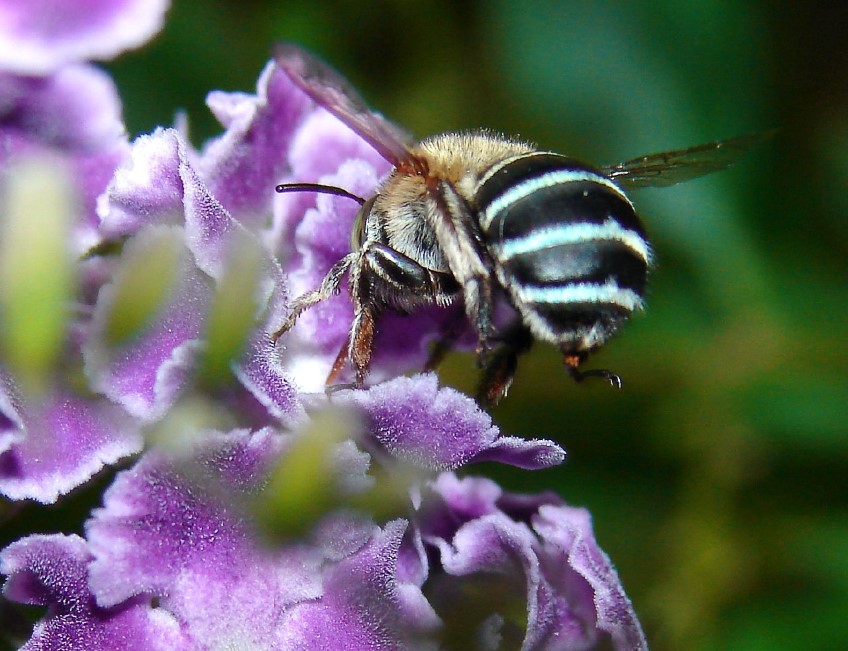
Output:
[[254, 511]]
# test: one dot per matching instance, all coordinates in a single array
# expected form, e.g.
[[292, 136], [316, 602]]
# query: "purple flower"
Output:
[[573, 597], [56, 438], [53, 571], [185, 263], [54, 442], [39, 36], [441, 429], [174, 539]]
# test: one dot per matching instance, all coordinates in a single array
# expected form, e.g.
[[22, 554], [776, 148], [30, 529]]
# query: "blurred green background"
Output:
[[718, 477]]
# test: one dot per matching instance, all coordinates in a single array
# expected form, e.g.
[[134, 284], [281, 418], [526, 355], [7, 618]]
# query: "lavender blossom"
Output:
[[163, 359], [38, 38], [173, 543], [68, 120]]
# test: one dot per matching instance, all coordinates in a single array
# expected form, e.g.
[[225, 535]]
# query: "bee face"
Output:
[[479, 216]]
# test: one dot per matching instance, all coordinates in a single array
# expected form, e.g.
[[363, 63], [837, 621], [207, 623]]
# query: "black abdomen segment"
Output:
[[569, 247]]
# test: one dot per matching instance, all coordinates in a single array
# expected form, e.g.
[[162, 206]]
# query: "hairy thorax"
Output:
[[398, 216]]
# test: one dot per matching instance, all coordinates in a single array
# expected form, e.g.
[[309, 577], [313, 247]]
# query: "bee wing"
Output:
[[332, 91], [671, 167]]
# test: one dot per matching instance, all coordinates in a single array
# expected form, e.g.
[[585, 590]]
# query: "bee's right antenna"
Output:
[[318, 187]]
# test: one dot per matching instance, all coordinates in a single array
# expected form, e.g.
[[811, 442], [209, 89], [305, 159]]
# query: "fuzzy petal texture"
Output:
[[243, 165], [39, 36], [53, 571], [442, 429], [57, 441], [158, 188], [175, 529], [147, 188], [364, 606]]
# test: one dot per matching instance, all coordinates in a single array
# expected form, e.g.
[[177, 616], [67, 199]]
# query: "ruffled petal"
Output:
[[573, 596], [52, 443], [440, 429], [53, 571], [243, 165], [364, 605]]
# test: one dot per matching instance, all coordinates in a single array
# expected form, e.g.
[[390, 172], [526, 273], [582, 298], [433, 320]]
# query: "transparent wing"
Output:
[[332, 91], [670, 167]]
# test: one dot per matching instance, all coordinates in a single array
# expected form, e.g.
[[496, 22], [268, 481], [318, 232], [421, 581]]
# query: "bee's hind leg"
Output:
[[573, 361], [500, 362]]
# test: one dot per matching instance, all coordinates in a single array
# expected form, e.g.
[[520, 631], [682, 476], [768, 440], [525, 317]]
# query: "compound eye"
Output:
[[357, 235]]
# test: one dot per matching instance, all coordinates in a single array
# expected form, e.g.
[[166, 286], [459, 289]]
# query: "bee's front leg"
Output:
[[383, 277], [329, 286]]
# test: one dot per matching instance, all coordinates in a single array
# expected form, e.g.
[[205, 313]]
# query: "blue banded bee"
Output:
[[480, 216]]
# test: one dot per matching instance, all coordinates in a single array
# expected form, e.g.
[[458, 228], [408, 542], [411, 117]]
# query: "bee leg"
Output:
[[338, 365], [500, 362], [329, 286], [362, 342], [358, 347], [572, 366], [453, 222], [379, 266], [478, 306], [448, 337]]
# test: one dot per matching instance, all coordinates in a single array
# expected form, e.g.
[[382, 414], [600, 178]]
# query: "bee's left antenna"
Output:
[[318, 187]]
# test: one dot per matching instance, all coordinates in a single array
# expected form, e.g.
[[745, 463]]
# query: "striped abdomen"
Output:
[[568, 247]]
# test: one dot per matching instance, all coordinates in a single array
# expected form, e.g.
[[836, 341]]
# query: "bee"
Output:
[[478, 216]]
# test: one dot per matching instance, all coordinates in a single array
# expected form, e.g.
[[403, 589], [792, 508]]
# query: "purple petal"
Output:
[[567, 533], [147, 189], [262, 374], [161, 184], [364, 606], [56, 442], [39, 36], [93, 173], [174, 530], [243, 165], [167, 518], [441, 428], [260, 370], [75, 114], [145, 373], [76, 109], [574, 598], [53, 571]]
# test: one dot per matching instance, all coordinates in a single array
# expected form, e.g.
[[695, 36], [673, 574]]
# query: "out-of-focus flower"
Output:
[[184, 261], [40, 36], [68, 124]]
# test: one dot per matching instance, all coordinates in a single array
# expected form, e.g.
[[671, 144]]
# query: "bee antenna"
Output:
[[318, 187]]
